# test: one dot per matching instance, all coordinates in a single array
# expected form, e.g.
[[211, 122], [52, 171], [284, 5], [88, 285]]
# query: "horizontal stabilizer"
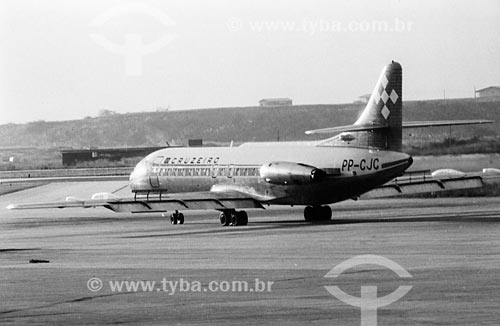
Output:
[[407, 124], [345, 128], [420, 124]]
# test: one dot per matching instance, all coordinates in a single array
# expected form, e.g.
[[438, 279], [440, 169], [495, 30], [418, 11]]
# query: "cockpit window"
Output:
[[158, 160]]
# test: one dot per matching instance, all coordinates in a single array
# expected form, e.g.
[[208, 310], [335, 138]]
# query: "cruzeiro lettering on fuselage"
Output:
[[191, 160]]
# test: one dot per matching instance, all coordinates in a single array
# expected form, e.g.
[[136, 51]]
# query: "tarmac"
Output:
[[269, 272]]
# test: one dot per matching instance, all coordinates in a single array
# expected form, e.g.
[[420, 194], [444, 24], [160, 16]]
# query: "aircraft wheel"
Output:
[[242, 218], [234, 218], [309, 213], [173, 218], [180, 218], [326, 213], [224, 218], [317, 213]]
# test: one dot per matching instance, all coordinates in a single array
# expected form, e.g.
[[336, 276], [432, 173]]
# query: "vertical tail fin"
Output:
[[380, 123], [385, 107]]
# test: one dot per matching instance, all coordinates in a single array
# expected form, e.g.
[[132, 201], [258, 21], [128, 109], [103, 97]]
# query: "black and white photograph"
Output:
[[189, 162]]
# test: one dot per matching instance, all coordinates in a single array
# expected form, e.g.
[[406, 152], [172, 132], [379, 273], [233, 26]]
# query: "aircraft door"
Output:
[[154, 178], [154, 181], [155, 172]]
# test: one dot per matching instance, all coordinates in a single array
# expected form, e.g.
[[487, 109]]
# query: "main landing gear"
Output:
[[227, 217], [177, 217], [233, 218], [317, 213]]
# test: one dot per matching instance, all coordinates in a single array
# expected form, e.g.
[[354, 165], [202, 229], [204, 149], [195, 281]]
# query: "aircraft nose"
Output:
[[139, 176]]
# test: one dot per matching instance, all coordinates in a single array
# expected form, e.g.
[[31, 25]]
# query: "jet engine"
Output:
[[288, 173]]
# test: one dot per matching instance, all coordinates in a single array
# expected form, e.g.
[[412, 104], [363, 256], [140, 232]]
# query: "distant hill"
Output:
[[223, 125]]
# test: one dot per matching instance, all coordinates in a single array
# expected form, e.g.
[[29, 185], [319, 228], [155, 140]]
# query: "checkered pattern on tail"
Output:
[[385, 107]]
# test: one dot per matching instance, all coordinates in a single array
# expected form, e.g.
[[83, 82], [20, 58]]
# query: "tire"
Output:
[[326, 213], [234, 218], [173, 219], [224, 219], [242, 218], [180, 218], [309, 213]]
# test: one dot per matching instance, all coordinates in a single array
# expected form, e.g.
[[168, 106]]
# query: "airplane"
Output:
[[362, 159]]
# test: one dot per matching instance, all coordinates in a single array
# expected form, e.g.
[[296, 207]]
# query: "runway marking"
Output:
[[50, 305]]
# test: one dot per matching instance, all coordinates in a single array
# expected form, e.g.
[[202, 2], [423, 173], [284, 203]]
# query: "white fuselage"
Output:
[[350, 171]]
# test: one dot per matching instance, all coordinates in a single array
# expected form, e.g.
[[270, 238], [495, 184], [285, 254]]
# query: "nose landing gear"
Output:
[[317, 213]]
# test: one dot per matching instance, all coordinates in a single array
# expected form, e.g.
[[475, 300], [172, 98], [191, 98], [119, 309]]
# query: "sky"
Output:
[[68, 59]]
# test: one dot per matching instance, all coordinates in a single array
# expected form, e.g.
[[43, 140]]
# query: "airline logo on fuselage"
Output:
[[363, 164], [191, 160]]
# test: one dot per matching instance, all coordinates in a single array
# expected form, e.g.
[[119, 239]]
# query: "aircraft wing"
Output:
[[18, 184], [45, 180], [439, 180], [150, 204]]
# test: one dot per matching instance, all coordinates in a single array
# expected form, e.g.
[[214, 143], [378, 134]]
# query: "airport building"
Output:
[[73, 156], [195, 142], [488, 91], [266, 102]]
